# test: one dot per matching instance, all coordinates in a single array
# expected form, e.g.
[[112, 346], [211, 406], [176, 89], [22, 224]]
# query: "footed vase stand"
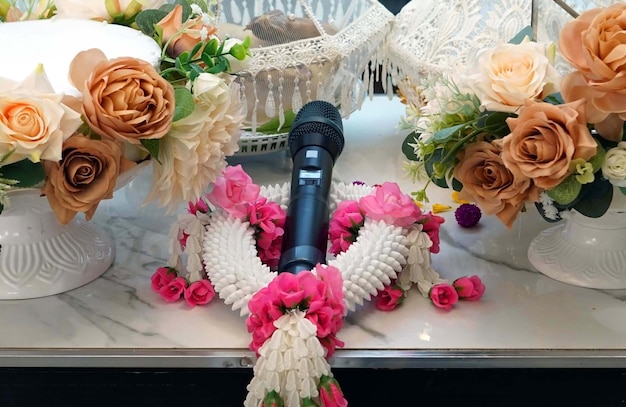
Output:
[[40, 257]]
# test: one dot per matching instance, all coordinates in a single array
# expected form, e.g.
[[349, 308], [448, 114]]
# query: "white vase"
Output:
[[586, 252], [39, 256]]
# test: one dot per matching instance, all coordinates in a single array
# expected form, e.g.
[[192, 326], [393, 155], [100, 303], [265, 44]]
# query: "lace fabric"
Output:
[[306, 50], [432, 36]]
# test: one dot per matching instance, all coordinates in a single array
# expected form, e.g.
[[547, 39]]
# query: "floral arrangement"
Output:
[[183, 115], [514, 131], [230, 239]]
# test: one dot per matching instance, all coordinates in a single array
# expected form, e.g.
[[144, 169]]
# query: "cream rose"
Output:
[[544, 139], [211, 89], [124, 98], [614, 167], [509, 74], [489, 183], [97, 9], [86, 174], [34, 122]]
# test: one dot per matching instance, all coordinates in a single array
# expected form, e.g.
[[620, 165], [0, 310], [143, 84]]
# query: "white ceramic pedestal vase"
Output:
[[39, 256], [586, 252]]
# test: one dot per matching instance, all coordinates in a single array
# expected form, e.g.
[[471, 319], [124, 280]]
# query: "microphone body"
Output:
[[315, 142]]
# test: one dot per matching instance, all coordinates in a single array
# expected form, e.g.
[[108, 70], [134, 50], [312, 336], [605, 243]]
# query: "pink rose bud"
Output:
[[199, 293], [389, 298], [162, 277], [330, 393], [174, 290], [443, 296], [469, 288]]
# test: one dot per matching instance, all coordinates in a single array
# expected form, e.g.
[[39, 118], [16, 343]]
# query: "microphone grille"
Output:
[[318, 117]]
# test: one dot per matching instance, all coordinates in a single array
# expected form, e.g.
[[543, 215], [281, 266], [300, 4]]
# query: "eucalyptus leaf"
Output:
[[147, 19], [445, 135], [26, 172], [597, 199], [623, 189], [597, 160], [185, 103], [566, 192], [429, 165], [409, 152]]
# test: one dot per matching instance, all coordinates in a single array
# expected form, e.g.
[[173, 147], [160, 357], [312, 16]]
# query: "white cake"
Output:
[[55, 42]]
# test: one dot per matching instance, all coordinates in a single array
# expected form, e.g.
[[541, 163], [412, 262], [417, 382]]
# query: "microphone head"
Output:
[[318, 123]]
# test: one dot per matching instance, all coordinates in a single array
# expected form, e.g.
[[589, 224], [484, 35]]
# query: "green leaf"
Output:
[[238, 51], [409, 152], [430, 164], [26, 172], [185, 103], [152, 145], [211, 47], [555, 99], [566, 192], [273, 126], [519, 37], [596, 200], [623, 189], [221, 66], [445, 135], [147, 19]]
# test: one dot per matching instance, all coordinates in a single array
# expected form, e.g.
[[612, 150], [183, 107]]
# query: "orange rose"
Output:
[[86, 174], [181, 37], [594, 44], [489, 183], [124, 98], [544, 139]]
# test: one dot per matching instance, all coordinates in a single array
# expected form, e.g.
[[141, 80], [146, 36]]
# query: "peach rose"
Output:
[[34, 121], [85, 175], [124, 98], [489, 183], [593, 43], [512, 73], [181, 37], [544, 139]]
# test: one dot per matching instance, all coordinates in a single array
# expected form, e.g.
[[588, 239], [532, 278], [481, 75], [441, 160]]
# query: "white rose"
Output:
[[235, 64], [614, 167], [210, 89], [97, 10], [34, 122], [509, 74]]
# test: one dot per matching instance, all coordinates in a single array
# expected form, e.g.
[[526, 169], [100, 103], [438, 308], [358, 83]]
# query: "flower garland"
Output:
[[382, 243]]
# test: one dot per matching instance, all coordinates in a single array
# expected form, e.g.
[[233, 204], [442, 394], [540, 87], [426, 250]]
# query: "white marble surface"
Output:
[[522, 316]]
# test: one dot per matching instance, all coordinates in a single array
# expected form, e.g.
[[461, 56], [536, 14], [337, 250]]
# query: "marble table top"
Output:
[[524, 318]]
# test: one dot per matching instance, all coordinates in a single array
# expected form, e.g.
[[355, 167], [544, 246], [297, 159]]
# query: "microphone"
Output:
[[315, 141]]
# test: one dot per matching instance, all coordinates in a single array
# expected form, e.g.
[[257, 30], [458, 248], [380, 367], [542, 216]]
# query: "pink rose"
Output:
[[174, 290], [234, 191], [443, 296], [431, 224], [269, 219], [469, 288], [344, 226], [199, 292], [389, 204], [162, 277], [330, 393], [389, 298]]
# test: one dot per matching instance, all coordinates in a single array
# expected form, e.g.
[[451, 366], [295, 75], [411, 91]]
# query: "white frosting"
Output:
[[55, 42]]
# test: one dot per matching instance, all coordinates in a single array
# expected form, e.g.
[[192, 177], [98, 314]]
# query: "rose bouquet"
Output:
[[514, 131], [182, 115]]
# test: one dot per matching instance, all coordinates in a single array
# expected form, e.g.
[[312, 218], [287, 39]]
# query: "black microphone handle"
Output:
[[306, 225]]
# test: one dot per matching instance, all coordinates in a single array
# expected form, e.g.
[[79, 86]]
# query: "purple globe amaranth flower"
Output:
[[467, 215]]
